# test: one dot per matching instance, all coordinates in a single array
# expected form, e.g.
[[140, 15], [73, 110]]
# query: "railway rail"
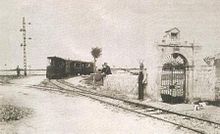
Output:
[[194, 124]]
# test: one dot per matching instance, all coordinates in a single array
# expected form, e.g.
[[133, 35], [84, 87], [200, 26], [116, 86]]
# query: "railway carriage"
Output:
[[87, 68], [59, 68]]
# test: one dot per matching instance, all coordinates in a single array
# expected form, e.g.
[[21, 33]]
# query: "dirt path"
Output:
[[55, 113]]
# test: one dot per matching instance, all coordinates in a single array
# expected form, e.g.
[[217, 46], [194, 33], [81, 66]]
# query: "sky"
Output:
[[126, 30]]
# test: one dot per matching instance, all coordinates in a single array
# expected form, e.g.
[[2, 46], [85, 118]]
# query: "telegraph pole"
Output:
[[24, 44]]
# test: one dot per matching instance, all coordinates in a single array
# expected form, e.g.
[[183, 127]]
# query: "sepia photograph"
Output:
[[109, 67]]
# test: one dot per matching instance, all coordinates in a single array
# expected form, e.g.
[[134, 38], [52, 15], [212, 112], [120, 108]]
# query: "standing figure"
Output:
[[18, 71], [106, 69], [142, 82]]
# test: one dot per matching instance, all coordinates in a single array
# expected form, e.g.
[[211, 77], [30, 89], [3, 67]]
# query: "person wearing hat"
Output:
[[106, 69], [142, 81]]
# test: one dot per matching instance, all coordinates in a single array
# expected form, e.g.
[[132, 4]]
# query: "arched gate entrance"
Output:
[[173, 79]]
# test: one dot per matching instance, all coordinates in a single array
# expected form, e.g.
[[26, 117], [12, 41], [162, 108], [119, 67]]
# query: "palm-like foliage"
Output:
[[96, 52]]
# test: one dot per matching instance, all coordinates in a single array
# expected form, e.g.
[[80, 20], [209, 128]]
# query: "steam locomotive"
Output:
[[59, 68]]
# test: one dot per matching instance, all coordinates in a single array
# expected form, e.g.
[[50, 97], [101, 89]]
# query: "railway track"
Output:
[[194, 124]]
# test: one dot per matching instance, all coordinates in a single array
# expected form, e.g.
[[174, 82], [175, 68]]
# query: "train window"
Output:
[[88, 65], [62, 64], [55, 62], [48, 62], [72, 64], [52, 62], [77, 64]]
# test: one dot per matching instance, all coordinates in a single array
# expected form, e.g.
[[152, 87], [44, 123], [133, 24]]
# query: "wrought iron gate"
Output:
[[173, 80]]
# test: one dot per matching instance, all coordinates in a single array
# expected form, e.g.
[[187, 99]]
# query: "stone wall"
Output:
[[204, 83], [127, 83], [217, 85], [203, 87], [122, 82]]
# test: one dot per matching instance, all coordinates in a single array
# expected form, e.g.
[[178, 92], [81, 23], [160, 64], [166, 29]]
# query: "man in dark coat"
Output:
[[18, 71], [106, 69], [142, 82]]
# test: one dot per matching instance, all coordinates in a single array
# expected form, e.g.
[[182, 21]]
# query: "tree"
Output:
[[96, 53]]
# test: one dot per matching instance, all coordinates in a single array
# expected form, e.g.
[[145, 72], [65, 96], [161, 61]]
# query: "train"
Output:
[[59, 68]]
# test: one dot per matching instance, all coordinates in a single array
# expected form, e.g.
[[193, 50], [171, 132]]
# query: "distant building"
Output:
[[183, 75]]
